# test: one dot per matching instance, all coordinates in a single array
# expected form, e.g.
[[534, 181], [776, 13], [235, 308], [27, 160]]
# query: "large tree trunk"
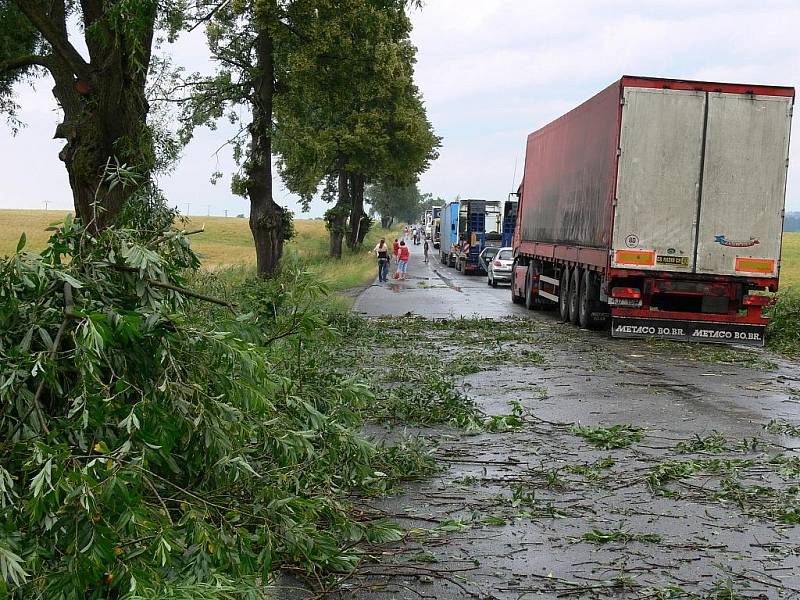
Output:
[[358, 218], [336, 217], [103, 101], [267, 219]]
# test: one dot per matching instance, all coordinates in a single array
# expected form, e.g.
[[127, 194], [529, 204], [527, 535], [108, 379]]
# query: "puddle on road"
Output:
[[448, 282]]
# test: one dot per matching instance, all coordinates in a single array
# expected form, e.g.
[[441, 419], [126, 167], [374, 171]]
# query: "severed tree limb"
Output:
[[178, 289], [35, 405], [192, 294]]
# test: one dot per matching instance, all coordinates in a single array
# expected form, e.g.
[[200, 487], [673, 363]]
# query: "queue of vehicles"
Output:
[[655, 206]]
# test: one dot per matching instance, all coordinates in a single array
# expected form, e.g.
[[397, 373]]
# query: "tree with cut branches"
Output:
[[101, 92]]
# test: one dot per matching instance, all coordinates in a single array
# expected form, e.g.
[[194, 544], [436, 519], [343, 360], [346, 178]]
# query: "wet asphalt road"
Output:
[[435, 291], [500, 543]]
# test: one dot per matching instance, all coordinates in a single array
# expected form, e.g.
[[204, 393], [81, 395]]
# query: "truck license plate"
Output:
[[688, 331]]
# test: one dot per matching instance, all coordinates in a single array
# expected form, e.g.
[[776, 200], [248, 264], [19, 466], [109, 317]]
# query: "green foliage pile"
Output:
[[783, 331], [159, 442], [608, 438]]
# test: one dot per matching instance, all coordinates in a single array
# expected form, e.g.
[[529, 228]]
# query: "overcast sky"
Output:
[[491, 71]]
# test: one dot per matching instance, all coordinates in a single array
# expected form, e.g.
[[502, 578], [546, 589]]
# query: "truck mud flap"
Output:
[[688, 331]]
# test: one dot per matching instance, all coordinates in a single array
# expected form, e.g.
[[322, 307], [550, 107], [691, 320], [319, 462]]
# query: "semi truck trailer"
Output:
[[658, 205], [479, 226], [433, 234], [427, 222], [509, 222], [448, 233]]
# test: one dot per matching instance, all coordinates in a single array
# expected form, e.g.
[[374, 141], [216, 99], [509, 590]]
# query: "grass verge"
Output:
[[227, 245]]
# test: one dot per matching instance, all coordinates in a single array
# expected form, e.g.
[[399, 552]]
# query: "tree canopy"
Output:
[[404, 203], [101, 93], [350, 108]]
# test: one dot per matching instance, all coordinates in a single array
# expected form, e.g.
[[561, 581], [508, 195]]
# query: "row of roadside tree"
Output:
[[326, 86]]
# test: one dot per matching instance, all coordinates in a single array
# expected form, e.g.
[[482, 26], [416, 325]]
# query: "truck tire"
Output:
[[589, 298], [563, 295], [533, 301], [530, 301], [574, 294], [514, 298]]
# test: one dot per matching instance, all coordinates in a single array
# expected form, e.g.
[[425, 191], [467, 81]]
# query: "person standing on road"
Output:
[[425, 250], [395, 249], [382, 253], [402, 262]]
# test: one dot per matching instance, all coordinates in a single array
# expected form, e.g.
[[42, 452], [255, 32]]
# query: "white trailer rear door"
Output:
[[744, 182], [658, 179]]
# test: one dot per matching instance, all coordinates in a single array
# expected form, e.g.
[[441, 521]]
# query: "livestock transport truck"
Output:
[[479, 226], [448, 233], [658, 205], [509, 222]]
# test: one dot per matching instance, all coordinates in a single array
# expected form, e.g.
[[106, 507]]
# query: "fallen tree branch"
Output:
[[178, 289], [187, 292], [69, 314]]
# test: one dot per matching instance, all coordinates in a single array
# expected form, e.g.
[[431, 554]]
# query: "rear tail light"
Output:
[[756, 300], [497, 263], [626, 292]]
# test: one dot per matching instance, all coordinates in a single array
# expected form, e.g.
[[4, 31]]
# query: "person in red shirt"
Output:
[[402, 259], [395, 249]]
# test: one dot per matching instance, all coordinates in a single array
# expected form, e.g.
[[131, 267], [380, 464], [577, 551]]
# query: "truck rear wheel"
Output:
[[589, 295], [531, 302], [514, 298], [563, 295], [586, 301], [574, 291]]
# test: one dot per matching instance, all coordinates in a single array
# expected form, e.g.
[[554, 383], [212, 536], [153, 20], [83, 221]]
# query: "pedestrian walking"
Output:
[[382, 254], [425, 250], [395, 250], [402, 260]]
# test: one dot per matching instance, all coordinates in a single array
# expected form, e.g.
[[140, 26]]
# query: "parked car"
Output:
[[499, 268], [487, 256]]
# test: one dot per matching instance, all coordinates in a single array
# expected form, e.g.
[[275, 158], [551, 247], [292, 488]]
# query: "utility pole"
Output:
[[187, 209], [208, 210], [46, 202], [226, 213]]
